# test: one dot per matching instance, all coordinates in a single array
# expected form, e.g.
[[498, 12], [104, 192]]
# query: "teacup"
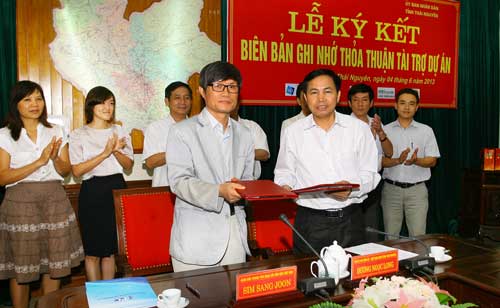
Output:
[[437, 252], [169, 298], [333, 269]]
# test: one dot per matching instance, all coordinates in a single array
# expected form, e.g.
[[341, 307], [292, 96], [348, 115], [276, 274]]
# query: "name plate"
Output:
[[375, 264], [267, 282]]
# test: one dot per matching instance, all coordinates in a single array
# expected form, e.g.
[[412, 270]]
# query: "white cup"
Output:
[[437, 252], [321, 269], [170, 297], [333, 268]]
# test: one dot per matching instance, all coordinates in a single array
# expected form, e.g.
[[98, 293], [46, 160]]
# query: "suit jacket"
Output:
[[200, 232]]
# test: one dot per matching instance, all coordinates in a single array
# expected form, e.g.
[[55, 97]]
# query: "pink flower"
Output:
[[358, 292], [433, 286], [404, 302]]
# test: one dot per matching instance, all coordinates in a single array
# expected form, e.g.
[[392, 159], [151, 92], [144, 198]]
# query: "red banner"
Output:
[[386, 44]]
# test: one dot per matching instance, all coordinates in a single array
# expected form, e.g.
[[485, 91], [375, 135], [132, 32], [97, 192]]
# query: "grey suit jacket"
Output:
[[200, 232]]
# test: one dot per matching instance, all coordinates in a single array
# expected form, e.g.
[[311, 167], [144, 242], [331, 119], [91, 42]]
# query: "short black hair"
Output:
[[300, 89], [320, 72], [96, 96], [219, 70], [408, 91], [360, 88], [174, 85]]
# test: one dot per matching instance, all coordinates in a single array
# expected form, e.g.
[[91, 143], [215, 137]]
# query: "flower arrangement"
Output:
[[400, 292]]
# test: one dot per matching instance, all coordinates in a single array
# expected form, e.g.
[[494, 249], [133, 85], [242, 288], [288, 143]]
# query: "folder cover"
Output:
[[131, 292], [326, 188], [264, 190]]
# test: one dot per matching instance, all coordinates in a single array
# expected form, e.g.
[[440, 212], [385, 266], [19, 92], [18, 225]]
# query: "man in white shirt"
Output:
[[360, 98], [405, 173], [304, 112], [327, 147], [178, 98], [259, 140]]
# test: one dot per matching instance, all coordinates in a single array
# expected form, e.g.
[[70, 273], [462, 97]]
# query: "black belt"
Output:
[[231, 209], [334, 213], [402, 184]]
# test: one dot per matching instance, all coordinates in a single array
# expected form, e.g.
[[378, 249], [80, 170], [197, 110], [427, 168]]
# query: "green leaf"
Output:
[[444, 299], [326, 305], [372, 303], [466, 305]]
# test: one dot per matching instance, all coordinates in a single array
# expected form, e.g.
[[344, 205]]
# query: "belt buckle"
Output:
[[335, 213]]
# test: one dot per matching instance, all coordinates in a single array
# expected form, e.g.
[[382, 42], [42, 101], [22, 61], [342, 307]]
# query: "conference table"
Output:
[[472, 275]]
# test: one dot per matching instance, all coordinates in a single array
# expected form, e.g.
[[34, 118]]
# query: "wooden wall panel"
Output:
[[35, 31]]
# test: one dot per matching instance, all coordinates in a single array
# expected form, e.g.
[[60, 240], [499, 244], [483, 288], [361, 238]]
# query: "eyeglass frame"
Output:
[[224, 87]]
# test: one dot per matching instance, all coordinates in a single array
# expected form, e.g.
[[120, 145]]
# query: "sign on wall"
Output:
[[386, 44]]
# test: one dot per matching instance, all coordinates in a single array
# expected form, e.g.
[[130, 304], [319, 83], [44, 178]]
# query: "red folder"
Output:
[[264, 190], [326, 188]]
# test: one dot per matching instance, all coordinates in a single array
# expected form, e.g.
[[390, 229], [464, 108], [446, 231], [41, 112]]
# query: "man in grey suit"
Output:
[[206, 154]]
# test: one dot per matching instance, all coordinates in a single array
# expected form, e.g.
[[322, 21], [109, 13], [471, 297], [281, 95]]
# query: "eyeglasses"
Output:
[[220, 87]]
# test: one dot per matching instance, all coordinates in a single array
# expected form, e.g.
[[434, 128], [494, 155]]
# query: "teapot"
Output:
[[335, 253]]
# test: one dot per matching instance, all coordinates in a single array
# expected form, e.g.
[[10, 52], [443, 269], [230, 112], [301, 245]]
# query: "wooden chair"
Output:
[[144, 218], [268, 235], [137, 137]]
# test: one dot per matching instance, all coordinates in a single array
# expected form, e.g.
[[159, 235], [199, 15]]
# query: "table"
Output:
[[473, 273]]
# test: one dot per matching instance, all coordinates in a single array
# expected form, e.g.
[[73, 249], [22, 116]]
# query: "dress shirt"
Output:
[[155, 141], [310, 156], [289, 122], [416, 135], [377, 139], [259, 140], [225, 141], [86, 143], [24, 151]]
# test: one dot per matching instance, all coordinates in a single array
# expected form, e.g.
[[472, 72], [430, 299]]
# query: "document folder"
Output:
[[268, 190], [264, 190], [326, 188]]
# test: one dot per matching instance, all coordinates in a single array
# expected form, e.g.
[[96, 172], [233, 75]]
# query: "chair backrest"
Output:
[[267, 230], [144, 218]]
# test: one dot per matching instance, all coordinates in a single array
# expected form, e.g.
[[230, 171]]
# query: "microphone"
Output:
[[314, 284], [417, 263]]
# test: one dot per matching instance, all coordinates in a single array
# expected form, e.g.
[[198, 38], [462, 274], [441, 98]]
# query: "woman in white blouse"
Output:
[[99, 152], [39, 234]]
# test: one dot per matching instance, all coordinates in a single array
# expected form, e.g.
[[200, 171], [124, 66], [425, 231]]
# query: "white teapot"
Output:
[[336, 254]]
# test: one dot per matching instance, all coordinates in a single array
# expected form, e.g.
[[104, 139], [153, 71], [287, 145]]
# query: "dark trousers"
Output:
[[321, 228], [371, 213]]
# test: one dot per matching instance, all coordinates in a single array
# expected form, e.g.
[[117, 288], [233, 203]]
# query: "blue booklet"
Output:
[[133, 292]]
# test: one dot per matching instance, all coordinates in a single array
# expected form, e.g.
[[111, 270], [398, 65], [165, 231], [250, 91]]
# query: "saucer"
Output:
[[344, 274], [444, 258], [183, 302]]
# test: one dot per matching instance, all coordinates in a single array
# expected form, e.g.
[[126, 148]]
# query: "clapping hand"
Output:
[[56, 145], [403, 155], [376, 124], [120, 144], [413, 158], [47, 152], [376, 127], [111, 145]]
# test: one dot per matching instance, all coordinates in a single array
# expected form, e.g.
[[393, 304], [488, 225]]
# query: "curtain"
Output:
[[8, 70], [460, 133]]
